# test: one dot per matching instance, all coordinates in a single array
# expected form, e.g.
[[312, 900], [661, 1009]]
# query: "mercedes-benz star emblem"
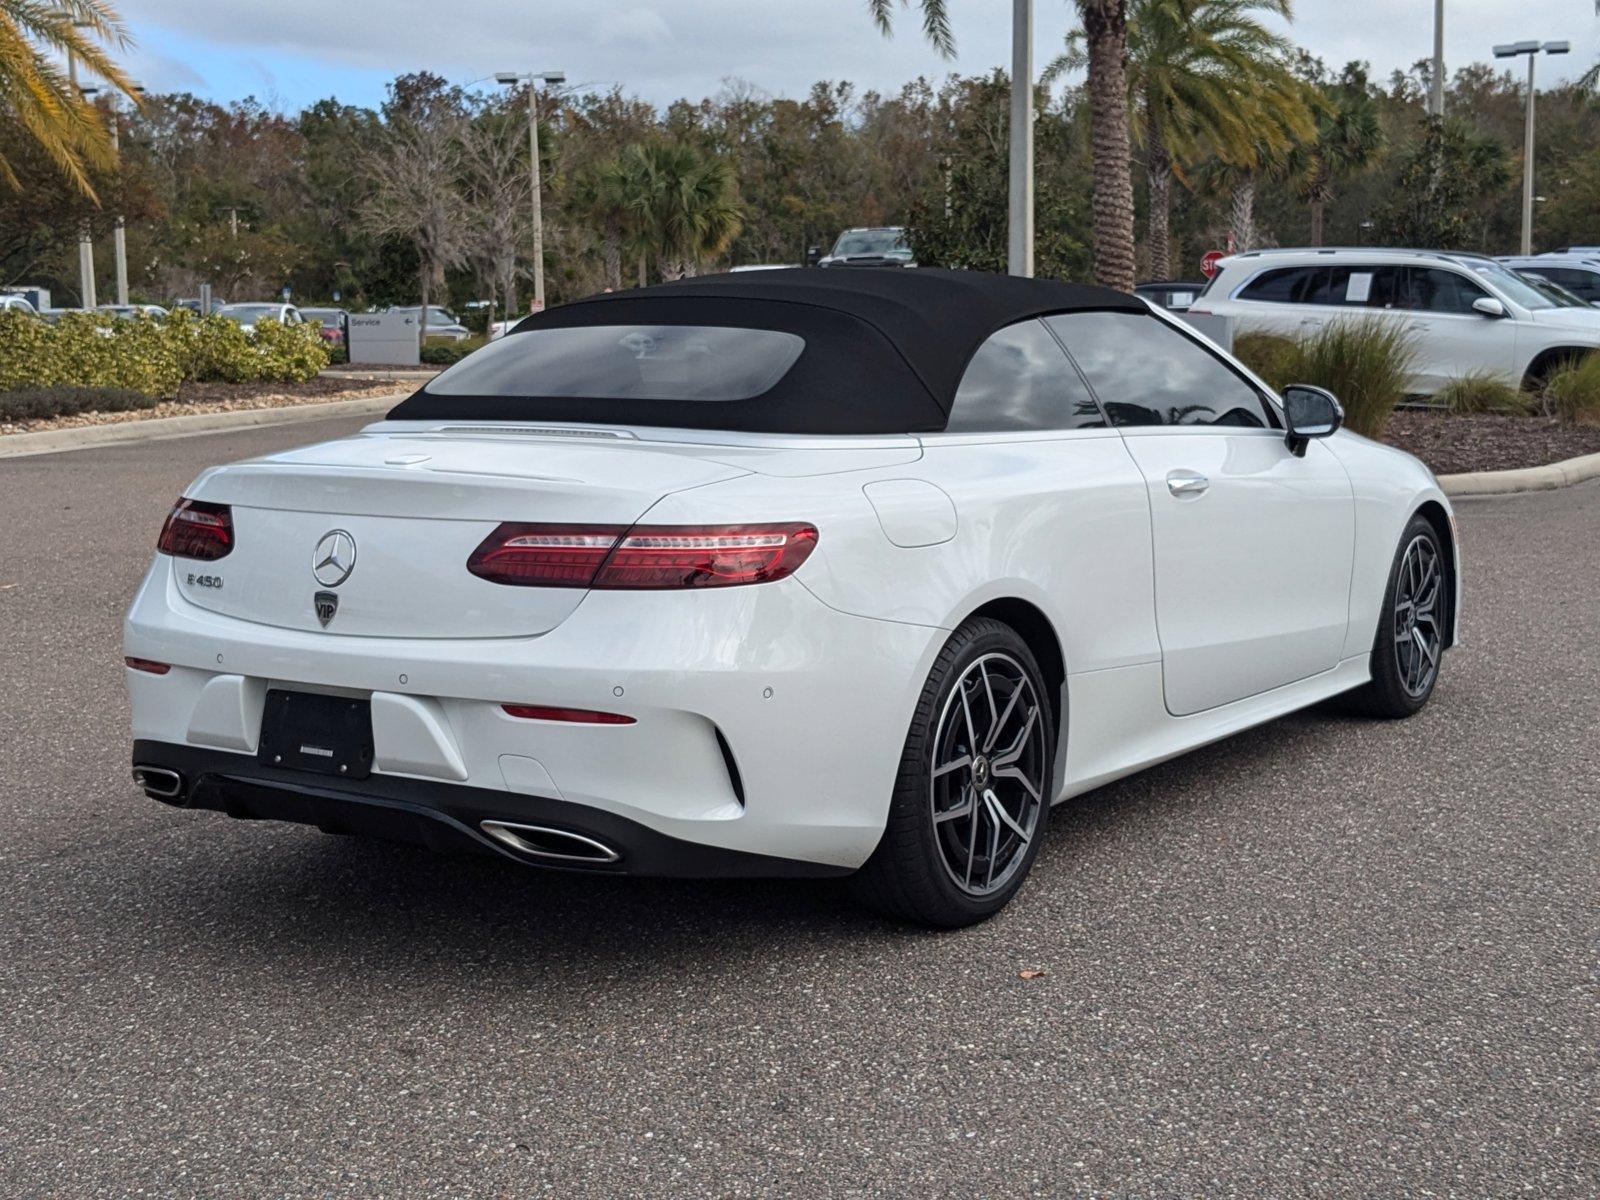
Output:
[[326, 604], [335, 558]]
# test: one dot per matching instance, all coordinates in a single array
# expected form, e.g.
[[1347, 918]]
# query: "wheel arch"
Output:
[[1435, 514], [1036, 629], [1549, 360]]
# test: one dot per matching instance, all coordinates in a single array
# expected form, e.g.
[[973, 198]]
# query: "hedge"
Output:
[[95, 350], [32, 403]]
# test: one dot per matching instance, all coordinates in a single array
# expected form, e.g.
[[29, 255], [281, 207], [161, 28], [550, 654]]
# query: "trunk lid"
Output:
[[415, 509]]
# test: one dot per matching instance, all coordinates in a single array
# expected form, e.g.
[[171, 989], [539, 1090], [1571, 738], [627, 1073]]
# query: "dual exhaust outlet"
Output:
[[537, 842]]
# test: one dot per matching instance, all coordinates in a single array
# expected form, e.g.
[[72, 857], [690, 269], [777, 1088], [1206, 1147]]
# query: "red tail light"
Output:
[[147, 664], [578, 716], [645, 556], [196, 529]]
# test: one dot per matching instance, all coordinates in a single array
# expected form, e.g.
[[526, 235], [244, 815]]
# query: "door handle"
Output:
[[1187, 483]]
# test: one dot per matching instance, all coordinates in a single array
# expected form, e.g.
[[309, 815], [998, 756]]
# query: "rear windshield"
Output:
[[627, 362]]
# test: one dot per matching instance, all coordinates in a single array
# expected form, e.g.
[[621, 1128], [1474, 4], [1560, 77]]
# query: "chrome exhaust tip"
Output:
[[550, 845], [158, 782]]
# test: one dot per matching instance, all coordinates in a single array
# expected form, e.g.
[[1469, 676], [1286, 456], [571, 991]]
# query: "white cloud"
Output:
[[664, 49]]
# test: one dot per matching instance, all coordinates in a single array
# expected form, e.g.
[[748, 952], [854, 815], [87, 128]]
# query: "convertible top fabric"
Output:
[[885, 349]]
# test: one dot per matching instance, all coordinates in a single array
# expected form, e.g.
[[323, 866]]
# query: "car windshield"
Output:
[[1507, 281], [627, 362], [872, 241], [251, 312], [1555, 291]]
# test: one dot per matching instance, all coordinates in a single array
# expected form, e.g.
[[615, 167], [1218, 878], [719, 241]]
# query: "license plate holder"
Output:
[[309, 731]]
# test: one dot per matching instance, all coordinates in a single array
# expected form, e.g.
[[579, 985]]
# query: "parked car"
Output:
[[789, 573], [883, 246], [247, 314], [1463, 312], [17, 304], [124, 312], [442, 323], [334, 325], [1579, 274], [1172, 295], [1555, 291]]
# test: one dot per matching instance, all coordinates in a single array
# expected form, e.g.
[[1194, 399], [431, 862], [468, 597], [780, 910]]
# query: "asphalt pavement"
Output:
[[1329, 957]]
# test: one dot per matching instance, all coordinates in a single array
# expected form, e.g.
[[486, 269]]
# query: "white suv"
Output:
[[1464, 312]]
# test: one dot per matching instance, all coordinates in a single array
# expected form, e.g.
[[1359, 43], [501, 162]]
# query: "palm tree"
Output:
[[1105, 27], [935, 22], [1348, 141], [663, 200], [1203, 75], [42, 98]]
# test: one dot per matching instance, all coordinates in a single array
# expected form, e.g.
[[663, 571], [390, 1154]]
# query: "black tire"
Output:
[[913, 875], [1403, 673]]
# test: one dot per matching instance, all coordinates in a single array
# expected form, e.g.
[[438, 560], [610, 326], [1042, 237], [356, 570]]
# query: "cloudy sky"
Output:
[[290, 52]]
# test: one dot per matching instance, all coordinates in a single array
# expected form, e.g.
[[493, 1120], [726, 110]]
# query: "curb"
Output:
[[1524, 479], [85, 437]]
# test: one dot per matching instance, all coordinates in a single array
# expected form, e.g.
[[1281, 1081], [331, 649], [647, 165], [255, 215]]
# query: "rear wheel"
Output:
[[972, 798], [1411, 631]]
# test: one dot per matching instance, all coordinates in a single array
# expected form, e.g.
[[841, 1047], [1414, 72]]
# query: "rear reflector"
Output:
[[645, 556], [578, 716], [196, 529], [146, 664]]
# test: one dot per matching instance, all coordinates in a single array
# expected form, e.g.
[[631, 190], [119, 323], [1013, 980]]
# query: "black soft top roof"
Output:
[[885, 348]]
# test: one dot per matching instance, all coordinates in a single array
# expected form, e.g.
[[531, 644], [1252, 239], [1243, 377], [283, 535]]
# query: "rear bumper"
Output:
[[443, 817], [765, 723]]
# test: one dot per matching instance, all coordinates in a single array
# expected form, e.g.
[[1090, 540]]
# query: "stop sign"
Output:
[[1208, 263]]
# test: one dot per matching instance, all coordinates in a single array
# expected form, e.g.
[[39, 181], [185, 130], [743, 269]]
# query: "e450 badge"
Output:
[[205, 581]]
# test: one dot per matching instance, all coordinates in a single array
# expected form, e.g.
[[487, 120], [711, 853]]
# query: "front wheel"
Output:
[[973, 793], [1407, 652]]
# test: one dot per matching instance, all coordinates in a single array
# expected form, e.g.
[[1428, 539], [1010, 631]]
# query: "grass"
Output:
[[1364, 362], [1267, 354], [1573, 392], [1481, 392]]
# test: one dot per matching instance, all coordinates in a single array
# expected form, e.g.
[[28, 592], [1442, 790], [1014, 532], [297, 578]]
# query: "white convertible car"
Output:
[[784, 573]]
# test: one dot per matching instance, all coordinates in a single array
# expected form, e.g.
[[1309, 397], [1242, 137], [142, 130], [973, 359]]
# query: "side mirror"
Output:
[[1311, 412], [1488, 306], [813, 255]]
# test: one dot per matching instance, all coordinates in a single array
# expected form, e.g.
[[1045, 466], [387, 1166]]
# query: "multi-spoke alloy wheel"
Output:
[[987, 779], [972, 798], [1418, 607], [1414, 628]]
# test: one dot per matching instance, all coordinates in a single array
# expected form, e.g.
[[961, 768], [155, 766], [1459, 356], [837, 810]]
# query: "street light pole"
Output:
[[1531, 49], [1438, 59], [549, 78], [119, 231], [1019, 233]]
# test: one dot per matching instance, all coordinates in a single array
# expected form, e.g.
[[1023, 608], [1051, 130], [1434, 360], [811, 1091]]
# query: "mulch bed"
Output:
[[1489, 441], [320, 388]]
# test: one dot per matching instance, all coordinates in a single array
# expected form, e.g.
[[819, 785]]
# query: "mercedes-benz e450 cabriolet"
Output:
[[786, 573]]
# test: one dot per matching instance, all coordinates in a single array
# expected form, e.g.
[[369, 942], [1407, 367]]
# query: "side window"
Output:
[[1019, 379], [1433, 289], [1147, 373], [1358, 286], [1286, 285]]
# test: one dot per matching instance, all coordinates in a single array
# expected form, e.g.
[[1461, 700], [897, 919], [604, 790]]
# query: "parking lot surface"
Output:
[[1327, 957]]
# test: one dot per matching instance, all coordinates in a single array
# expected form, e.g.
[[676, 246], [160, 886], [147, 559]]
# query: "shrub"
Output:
[[1481, 392], [1266, 354], [1572, 392], [1364, 362], [94, 350], [34, 403], [444, 354]]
